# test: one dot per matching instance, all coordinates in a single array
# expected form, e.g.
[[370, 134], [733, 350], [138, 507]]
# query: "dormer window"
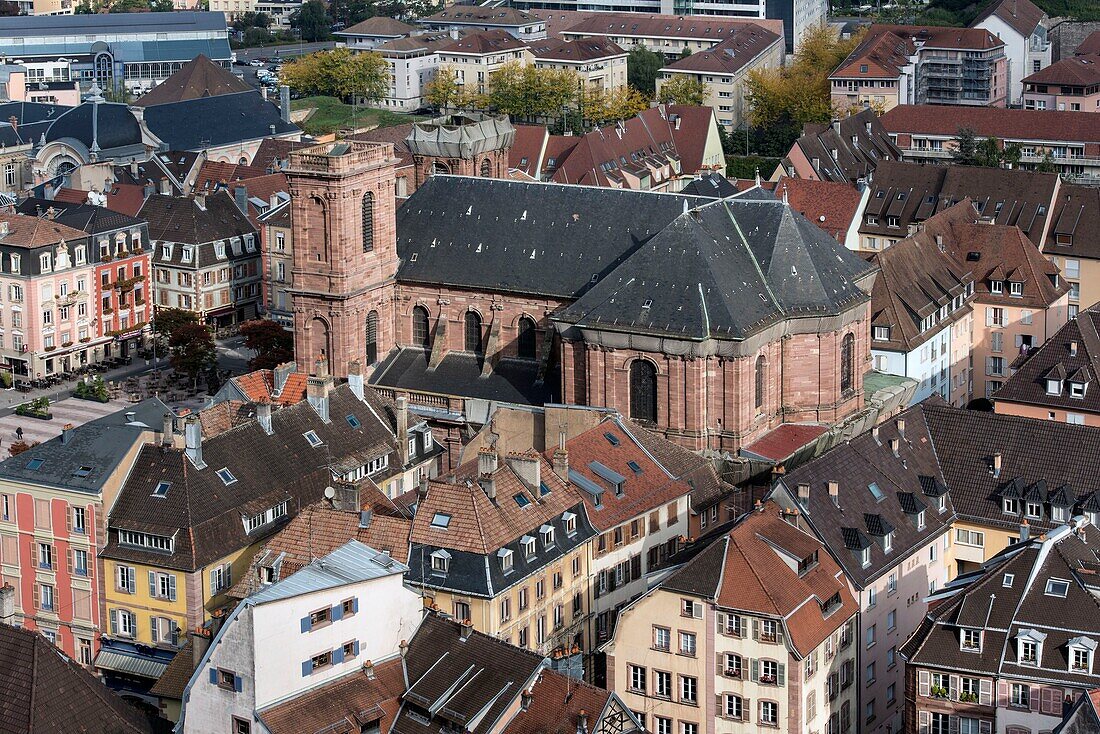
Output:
[[441, 561], [528, 545], [887, 542], [570, 521], [941, 503], [1011, 506], [1034, 510], [1029, 653], [996, 286], [1054, 387], [1015, 289], [920, 520], [1077, 389], [880, 333], [865, 557], [1058, 514], [807, 563], [971, 641], [547, 533], [506, 559], [1080, 654]]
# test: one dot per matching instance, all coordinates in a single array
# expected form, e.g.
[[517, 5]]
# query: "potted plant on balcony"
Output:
[[965, 697], [939, 692]]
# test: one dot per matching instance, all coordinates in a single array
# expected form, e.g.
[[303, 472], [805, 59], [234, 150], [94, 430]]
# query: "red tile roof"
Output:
[[528, 148], [831, 205], [1091, 44], [259, 385], [997, 122], [485, 42], [782, 441], [557, 704], [126, 198], [71, 196], [1083, 70], [27, 231], [732, 54], [582, 49], [1021, 15], [213, 173]]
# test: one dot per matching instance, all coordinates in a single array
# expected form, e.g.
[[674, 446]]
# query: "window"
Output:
[[1081, 660], [970, 537], [80, 562], [45, 556], [1015, 289], [1020, 695], [769, 713], [939, 724], [125, 579], [526, 339], [891, 620], [643, 391], [663, 725], [440, 562], [368, 221], [687, 643], [847, 363], [769, 631], [420, 334], [996, 286], [662, 684], [372, 337], [45, 597], [689, 689], [871, 636], [637, 678], [240, 726], [689, 727], [226, 476], [313, 438], [733, 706], [761, 380], [734, 625], [473, 332], [123, 622], [971, 640], [661, 638], [734, 665], [1057, 587], [769, 672]]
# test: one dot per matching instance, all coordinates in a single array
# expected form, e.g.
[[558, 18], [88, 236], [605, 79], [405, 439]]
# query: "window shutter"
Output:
[[69, 520], [781, 675], [779, 634], [720, 620], [746, 707], [988, 316], [306, 624], [69, 560], [985, 692], [755, 668], [355, 647], [756, 629], [34, 594], [355, 607], [953, 724], [985, 726], [925, 721], [719, 706], [114, 621], [924, 686], [153, 629], [238, 684], [152, 585], [213, 582], [337, 612], [720, 662], [131, 577], [338, 655], [1034, 698], [172, 587], [636, 567], [228, 578], [214, 676], [1002, 694], [307, 668], [953, 687]]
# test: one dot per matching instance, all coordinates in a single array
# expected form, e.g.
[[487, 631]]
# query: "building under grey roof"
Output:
[[351, 563], [205, 122]]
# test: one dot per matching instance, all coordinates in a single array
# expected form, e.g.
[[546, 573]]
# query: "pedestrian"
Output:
[[19, 433]]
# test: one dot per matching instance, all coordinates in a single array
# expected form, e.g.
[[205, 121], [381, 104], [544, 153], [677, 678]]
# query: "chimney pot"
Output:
[[67, 432], [263, 416], [168, 429], [874, 435], [901, 427], [1025, 531], [895, 445], [7, 604]]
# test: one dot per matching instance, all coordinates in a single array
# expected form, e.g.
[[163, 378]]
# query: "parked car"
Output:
[[255, 62]]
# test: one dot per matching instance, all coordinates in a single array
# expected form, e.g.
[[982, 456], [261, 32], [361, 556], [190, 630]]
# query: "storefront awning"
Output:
[[130, 663]]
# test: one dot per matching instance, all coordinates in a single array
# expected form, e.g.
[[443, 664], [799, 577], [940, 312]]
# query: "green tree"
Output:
[[161, 6], [312, 21], [966, 147], [988, 153], [642, 69], [1011, 155], [193, 350], [685, 53], [618, 104], [168, 321], [1047, 165], [271, 343], [442, 91], [339, 72], [252, 20], [683, 89]]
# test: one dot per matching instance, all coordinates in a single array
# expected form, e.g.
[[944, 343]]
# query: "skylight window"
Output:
[[161, 489], [876, 492], [353, 421], [441, 520], [634, 467], [35, 464], [543, 489], [313, 438], [612, 439], [82, 472], [521, 499], [226, 476], [1057, 587], [1007, 581]]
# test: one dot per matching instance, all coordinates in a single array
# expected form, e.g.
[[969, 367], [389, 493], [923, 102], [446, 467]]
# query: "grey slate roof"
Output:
[[351, 563], [26, 113], [712, 186], [106, 124], [100, 444], [85, 217], [512, 380], [149, 23], [725, 270], [195, 124]]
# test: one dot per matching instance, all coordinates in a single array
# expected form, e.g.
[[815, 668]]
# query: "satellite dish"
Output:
[[329, 493]]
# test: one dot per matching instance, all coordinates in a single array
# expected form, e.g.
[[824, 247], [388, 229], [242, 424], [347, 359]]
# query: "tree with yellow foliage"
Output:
[[683, 89], [339, 73], [610, 106]]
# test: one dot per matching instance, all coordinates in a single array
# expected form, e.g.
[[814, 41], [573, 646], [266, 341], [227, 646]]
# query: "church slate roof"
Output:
[[106, 124], [204, 122]]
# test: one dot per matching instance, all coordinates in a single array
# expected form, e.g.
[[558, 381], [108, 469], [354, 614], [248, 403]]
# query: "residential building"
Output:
[[882, 510], [1071, 84], [599, 63], [664, 33], [1012, 645], [15, 170], [725, 67], [118, 324], [897, 64], [1022, 25], [921, 311], [371, 33], [277, 246], [191, 515], [1020, 300], [928, 134], [483, 683], [1075, 215], [1052, 382], [516, 23], [756, 629], [53, 526], [205, 255], [114, 50], [1083, 717], [903, 195], [17, 83], [831, 205], [506, 547], [50, 692], [847, 151], [331, 617], [414, 62], [476, 57]]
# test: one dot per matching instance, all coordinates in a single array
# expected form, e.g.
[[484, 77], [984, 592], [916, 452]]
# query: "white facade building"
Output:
[[1022, 27], [316, 625]]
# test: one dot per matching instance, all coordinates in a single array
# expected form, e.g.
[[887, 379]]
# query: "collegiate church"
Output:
[[712, 321]]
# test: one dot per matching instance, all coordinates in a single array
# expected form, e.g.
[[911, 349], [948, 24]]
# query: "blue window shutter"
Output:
[[338, 655], [214, 676], [355, 604], [307, 668], [355, 647], [306, 626], [237, 683], [337, 612]]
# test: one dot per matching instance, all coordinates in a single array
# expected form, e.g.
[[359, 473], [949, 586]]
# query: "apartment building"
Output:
[[54, 500], [475, 58], [205, 256], [1069, 243], [1053, 381], [664, 33], [277, 236], [882, 509], [921, 306], [505, 546], [1071, 85], [898, 65], [512, 20], [193, 512], [755, 629], [414, 61], [331, 617], [599, 63], [846, 151], [725, 67], [1023, 26], [1010, 648], [372, 33], [1068, 140]]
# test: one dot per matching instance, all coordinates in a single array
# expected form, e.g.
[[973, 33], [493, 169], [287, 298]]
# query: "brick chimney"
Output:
[[528, 468], [561, 456], [487, 462], [318, 388], [7, 604], [192, 434], [263, 416], [403, 429], [355, 378]]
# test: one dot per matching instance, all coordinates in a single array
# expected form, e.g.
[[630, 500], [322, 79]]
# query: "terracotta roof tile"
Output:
[[199, 77], [379, 25], [175, 677], [831, 205], [784, 440], [997, 122], [557, 703], [28, 231], [485, 42], [1021, 15]]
